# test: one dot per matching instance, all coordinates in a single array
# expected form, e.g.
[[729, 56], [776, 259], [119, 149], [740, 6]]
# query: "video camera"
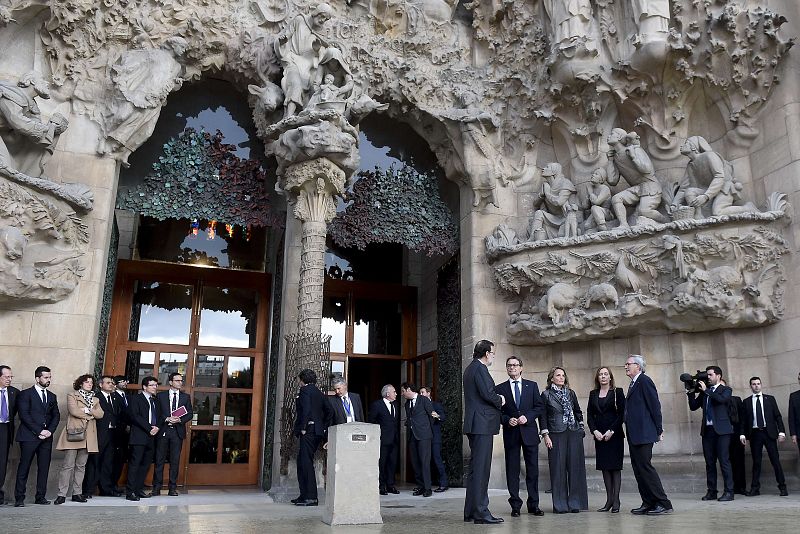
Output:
[[692, 382]]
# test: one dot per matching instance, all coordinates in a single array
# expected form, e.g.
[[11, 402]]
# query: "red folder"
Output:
[[180, 412]]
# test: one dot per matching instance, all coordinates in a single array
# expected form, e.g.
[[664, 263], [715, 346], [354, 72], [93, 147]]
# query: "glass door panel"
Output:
[[171, 362], [228, 317], [161, 313], [378, 327], [334, 321]]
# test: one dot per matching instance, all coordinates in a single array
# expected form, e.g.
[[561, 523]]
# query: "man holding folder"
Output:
[[173, 431]]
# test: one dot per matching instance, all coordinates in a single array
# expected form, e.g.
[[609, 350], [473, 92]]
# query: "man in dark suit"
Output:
[[419, 424], [39, 418], [144, 417], [346, 407], [481, 423], [384, 412], [736, 448], [313, 414], [763, 427], [8, 411], [794, 415], [439, 417], [521, 431], [100, 465], [643, 422], [173, 431], [123, 432], [716, 430]]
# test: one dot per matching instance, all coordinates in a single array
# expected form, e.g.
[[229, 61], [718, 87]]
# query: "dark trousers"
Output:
[[121, 453], [168, 449], [650, 488], [387, 464], [716, 447], [476, 503], [421, 461], [758, 440], [436, 454], [568, 471], [5, 448], [530, 455], [306, 477], [43, 449], [98, 470], [141, 456], [737, 464]]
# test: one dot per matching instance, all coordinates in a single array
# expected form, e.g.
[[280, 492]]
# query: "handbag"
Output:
[[76, 434]]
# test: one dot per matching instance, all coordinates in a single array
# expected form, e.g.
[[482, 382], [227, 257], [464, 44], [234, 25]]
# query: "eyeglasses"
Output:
[[630, 363], [513, 365]]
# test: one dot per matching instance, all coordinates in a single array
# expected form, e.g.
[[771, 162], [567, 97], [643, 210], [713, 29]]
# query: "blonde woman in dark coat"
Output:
[[83, 409]]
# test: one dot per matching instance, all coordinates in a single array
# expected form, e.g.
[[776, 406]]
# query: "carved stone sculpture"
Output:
[[558, 214], [570, 20], [652, 20], [599, 195]]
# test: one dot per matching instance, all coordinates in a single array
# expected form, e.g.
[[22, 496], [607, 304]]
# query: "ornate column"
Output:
[[314, 184]]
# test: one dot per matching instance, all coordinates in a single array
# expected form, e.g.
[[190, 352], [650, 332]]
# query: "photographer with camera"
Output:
[[716, 429]]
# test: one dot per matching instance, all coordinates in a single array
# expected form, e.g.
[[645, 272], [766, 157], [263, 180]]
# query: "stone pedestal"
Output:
[[351, 495]]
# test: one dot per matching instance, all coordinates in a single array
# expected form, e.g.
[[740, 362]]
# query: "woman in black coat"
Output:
[[604, 414]]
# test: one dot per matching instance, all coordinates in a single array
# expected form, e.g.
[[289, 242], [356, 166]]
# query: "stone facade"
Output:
[[499, 91]]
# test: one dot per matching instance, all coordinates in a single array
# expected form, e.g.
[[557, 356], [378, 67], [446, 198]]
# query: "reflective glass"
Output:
[[237, 409], [228, 317], [170, 362], [208, 371], [378, 327], [240, 372], [234, 446], [203, 449], [139, 364], [162, 312], [206, 408], [334, 321]]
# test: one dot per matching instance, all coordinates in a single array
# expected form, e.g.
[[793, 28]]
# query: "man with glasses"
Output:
[[8, 412], [144, 417], [176, 410], [643, 422], [481, 423], [520, 430]]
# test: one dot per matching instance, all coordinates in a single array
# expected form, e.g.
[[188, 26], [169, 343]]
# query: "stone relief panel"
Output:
[[42, 238]]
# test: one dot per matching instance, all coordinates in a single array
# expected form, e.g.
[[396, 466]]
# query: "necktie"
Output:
[[391, 406], [630, 386], [346, 404], [759, 413], [709, 413], [153, 412], [516, 392], [174, 400], [124, 399], [44, 397], [3, 406]]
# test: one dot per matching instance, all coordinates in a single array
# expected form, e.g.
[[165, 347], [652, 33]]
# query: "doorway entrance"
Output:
[[211, 326]]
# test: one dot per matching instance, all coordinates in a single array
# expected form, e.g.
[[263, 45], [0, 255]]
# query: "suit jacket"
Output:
[[530, 405], [437, 422], [380, 415], [419, 419], [739, 407], [313, 411], [339, 415], [138, 418], [12, 394], [481, 403], [165, 408], [718, 401], [772, 416], [794, 413], [643, 412], [110, 418], [34, 416]]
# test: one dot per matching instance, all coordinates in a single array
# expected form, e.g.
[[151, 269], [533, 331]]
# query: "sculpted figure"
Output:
[[142, 80], [502, 236], [600, 200], [27, 141], [570, 19], [558, 214], [628, 159], [651, 18], [300, 49], [709, 178]]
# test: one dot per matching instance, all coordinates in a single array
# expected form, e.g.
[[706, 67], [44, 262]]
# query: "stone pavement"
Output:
[[212, 511]]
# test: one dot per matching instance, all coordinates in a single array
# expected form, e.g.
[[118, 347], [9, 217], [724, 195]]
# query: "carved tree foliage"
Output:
[[396, 206], [199, 176]]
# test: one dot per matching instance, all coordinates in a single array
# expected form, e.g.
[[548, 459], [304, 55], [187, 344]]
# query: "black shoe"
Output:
[[659, 510], [417, 491], [536, 511], [575, 511], [60, 500], [491, 520], [41, 500], [393, 490], [709, 496], [383, 492], [726, 496], [132, 497], [605, 508], [296, 500], [307, 502], [143, 495], [643, 509], [155, 492], [172, 493], [753, 493], [467, 519], [784, 493], [514, 513], [615, 510], [741, 491], [427, 493], [86, 495], [441, 489], [19, 504], [78, 498]]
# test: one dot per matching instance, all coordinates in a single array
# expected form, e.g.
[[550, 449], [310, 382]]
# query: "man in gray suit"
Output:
[[481, 423]]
